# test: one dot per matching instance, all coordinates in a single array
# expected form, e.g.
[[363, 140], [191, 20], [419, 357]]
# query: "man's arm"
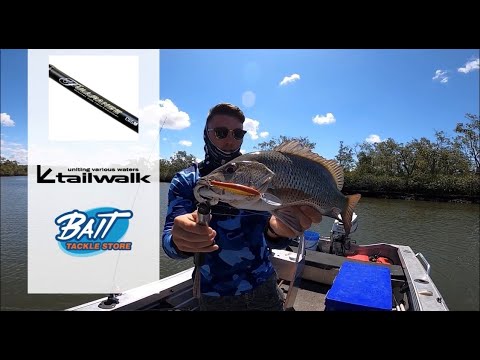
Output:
[[275, 241], [180, 202]]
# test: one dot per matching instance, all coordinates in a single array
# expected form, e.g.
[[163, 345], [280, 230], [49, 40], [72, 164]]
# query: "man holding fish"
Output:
[[252, 211]]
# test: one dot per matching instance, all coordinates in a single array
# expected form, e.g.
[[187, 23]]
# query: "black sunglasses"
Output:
[[222, 133]]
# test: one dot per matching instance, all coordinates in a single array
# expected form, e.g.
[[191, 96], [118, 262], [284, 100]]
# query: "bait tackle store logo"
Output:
[[92, 232]]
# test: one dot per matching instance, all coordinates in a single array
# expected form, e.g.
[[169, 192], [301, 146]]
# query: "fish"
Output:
[[290, 174]]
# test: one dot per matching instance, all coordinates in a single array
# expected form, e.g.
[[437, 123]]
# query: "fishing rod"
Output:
[[93, 98], [203, 217]]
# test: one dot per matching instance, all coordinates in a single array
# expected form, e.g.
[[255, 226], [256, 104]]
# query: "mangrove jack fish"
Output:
[[274, 180]]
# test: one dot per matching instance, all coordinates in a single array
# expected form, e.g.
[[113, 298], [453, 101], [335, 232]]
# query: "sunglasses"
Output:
[[222, 133]]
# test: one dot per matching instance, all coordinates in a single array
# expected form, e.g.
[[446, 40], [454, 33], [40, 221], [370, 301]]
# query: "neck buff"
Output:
[[214, 157]]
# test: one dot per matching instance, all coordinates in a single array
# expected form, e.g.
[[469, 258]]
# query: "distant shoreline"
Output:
[[463, 199]]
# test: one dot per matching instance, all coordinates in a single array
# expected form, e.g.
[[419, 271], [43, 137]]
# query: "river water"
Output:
[[447, 234]]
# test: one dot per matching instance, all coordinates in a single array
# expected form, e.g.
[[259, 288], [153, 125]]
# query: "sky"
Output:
[[325, 95]]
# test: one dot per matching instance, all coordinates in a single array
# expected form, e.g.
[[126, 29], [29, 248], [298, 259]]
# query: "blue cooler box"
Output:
[[360, 287]]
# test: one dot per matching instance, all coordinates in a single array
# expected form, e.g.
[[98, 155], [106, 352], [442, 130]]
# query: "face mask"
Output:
[[214, 157]]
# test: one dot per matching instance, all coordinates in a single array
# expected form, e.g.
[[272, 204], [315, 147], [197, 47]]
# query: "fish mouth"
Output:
[[242, 189], [236, 195]]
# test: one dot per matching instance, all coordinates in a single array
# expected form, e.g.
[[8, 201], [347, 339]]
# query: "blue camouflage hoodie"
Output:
[[242, 261]]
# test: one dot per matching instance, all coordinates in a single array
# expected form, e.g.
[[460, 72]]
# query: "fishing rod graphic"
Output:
[[93, 98]]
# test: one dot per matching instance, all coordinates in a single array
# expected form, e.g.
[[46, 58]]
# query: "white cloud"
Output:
[[185, 142], [248, 98], [14, 151], [152, 133], [264, 134], [289, 79], [373, 139], [153, 116], [441, 75], [247, 151], [252, 127], [166, 114], [6, 120], [324, 119], [470, 66]]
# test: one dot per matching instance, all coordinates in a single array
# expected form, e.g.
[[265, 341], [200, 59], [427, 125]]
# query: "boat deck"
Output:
[[311, 279], [310, 296]]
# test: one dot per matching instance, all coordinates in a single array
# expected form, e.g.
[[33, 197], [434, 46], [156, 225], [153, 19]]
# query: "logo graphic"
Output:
[[89, 178], [94, 231], [67, 82]]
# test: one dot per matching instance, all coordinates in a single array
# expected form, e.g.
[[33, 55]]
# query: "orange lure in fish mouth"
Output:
[[235, 188]]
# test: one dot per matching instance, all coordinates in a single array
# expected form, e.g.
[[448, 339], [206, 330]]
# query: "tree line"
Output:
[[443, 168], [11, 168]]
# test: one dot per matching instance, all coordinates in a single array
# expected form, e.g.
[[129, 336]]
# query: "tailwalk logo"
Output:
[[87, 177], [94, 231]]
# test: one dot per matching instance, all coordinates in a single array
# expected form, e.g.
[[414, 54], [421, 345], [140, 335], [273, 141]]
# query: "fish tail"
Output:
[[347, 213]]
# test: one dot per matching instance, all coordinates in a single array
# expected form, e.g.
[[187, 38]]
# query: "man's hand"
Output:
[[306, 215], [189, 236]]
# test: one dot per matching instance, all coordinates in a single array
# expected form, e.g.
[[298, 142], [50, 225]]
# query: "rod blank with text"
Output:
[[94, 98]]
